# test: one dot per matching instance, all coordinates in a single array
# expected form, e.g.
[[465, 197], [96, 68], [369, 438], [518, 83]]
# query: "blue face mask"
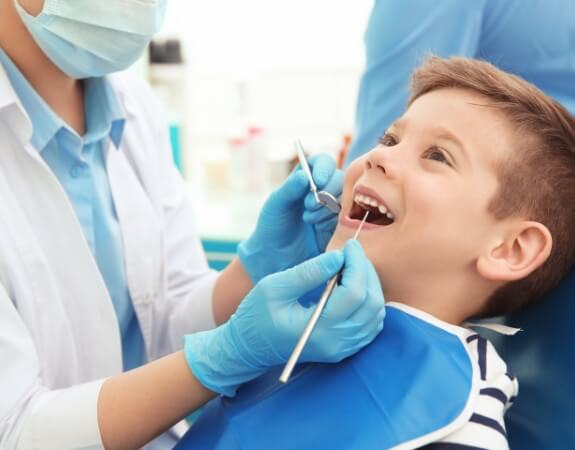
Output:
[[92, 38]]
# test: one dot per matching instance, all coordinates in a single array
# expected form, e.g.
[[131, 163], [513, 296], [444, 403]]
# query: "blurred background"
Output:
[[239, 81]]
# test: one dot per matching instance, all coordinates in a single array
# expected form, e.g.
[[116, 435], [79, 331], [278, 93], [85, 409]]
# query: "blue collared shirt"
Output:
[[79, 164]]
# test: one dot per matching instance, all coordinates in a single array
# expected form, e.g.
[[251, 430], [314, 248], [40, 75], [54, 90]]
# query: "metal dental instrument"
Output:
[[324, 198], [294, 357]]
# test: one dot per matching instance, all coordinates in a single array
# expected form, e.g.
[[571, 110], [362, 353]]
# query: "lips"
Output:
[[366, 199]]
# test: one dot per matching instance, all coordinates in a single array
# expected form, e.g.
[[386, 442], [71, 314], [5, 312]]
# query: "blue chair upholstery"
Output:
[[542, 357]]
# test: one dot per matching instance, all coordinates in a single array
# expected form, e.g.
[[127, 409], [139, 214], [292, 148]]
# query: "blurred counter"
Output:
[[224, 218]]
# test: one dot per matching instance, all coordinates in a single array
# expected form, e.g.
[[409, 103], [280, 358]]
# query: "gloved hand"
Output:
[[292, 227], [268, 323]]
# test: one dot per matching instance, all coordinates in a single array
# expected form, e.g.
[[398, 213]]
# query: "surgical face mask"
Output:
[[92, 38]]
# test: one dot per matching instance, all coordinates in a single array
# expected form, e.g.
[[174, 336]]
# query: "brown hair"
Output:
[[537, 182]]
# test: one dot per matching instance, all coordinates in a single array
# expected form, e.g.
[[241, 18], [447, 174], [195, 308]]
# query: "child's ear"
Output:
[[523, 248]]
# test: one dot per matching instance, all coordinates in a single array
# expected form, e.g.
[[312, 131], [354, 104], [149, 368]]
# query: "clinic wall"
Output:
[[290, 67]]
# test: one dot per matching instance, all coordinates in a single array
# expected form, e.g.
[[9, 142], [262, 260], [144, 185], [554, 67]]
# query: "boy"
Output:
[[471, 206]]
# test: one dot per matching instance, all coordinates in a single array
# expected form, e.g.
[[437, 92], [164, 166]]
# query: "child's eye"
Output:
[[436, 154], [388, 140]]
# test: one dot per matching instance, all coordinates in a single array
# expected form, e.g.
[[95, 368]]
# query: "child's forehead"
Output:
[[463, 117], [450, 102]]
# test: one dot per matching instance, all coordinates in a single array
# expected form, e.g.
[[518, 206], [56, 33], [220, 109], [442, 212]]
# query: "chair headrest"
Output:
[[542, 358]]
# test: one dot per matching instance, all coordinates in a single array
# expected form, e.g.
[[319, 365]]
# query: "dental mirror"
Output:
[[324, 198]]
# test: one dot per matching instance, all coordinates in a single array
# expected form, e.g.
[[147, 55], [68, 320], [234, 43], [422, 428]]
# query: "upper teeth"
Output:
[[370, 201]]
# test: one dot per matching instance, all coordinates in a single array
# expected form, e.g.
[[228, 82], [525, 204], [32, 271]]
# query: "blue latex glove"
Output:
[[268, 323], [291, 227]]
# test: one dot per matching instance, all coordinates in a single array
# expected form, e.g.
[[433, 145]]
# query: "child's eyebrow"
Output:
[[399, 124], [446, 135], [439, 133]]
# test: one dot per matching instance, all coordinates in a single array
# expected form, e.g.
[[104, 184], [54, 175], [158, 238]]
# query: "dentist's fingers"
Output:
[[290, 193], [372, 311], [334, 186], [315, 213], [318, 216], [296, 187], [352, 336], [367, 321], [289, 285], [351, 294], [322, 169], [361, 338]]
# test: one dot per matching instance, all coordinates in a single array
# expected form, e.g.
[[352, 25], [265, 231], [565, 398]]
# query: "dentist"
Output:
[[101, 269]]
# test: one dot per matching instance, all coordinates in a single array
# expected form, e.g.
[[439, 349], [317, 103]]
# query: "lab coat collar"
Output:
[[45, 123], [126, 103], [104, 115], [12, 110]]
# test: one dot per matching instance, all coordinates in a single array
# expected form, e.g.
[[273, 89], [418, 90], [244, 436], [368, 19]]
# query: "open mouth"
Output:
[[378, 212]]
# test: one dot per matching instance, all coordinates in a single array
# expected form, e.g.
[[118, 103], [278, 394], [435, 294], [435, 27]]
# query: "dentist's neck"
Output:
[[63, 94]]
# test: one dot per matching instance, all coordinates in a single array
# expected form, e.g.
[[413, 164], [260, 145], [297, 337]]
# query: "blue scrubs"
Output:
[[531, 38], [79, 164]]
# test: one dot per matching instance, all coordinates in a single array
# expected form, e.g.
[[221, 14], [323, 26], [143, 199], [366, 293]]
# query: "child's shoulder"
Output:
[[497, 390], [495, 386], [495, 378]]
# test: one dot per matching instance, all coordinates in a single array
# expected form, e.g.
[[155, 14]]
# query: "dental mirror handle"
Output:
[[305, 165], [297, 351]]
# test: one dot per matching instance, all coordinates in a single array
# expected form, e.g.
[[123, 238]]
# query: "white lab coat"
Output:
[[59, 335]]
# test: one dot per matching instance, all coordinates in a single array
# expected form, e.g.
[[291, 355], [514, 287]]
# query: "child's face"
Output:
[[434, 171]]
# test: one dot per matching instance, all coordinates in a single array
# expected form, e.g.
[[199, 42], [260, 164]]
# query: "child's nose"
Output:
[[383, 160]]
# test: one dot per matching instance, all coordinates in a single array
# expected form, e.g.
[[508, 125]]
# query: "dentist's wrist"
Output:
[[231, 287], [250, 256], [218, 362]]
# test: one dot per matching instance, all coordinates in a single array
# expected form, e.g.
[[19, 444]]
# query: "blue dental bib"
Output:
[[413, 385]]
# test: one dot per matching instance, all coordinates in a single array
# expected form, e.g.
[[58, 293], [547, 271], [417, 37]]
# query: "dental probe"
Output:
[[324, 198], [332, 283]]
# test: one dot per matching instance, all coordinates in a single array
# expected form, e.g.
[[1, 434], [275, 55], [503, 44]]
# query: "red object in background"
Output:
[[342, 153]]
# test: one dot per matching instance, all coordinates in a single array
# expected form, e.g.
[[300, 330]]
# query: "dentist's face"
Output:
[[427, 186]]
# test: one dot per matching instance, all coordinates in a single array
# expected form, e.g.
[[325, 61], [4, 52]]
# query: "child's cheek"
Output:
[[353, 172]]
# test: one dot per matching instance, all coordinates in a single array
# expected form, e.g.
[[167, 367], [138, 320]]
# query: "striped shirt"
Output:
[[497, 390]]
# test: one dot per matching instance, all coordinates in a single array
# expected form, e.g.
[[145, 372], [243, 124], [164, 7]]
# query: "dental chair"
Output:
[[542, 357]]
